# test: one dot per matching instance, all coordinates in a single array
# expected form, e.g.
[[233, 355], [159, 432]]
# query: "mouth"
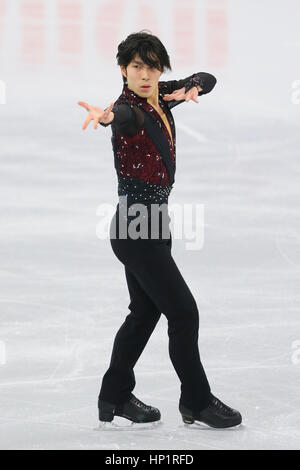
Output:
[[145, 87]]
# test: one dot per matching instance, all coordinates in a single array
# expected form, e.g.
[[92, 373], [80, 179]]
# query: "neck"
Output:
[[153, 99]]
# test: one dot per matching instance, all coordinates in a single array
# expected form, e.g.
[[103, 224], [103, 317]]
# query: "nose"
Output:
[[145, 74]]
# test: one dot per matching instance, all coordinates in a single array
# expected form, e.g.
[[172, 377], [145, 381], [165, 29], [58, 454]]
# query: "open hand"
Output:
[[180, 94], [97, 114]]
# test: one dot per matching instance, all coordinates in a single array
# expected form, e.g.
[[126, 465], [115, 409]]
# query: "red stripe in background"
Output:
[[3, 10], [69, 15], [32, 31], [216, 33], [147, 18], [184, 32], [109, 17]]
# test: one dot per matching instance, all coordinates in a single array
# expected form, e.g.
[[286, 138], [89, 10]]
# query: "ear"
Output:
[[123, 70]]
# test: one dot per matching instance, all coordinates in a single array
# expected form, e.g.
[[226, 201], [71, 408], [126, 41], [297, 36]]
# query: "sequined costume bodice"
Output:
[[140, 166]]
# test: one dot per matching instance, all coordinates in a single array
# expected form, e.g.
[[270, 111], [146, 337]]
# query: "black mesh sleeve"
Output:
[[204, 79], [127, 119]]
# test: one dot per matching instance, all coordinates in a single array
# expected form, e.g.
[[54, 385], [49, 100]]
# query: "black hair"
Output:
[[149, 47]]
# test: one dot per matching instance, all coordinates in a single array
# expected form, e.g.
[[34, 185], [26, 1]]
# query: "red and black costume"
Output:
[[143, 174]]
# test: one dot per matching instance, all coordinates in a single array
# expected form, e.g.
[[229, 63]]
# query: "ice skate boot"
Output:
[[134, 410], [216, 415]]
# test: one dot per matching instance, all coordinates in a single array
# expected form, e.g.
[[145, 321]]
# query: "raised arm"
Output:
[[204, 82]]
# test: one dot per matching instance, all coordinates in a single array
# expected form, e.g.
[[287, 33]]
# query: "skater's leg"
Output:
[[130, 341], [157, 273]]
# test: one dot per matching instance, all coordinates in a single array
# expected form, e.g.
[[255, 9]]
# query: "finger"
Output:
[[96, 123], [108, 110], [85, 105], [86, 122], [190, 95], [193, 95]]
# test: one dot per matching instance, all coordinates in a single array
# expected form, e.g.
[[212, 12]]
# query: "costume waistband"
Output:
[[140, 191]]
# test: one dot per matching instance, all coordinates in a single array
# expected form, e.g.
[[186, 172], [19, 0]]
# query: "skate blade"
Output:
[[123, 424], [200, 425]]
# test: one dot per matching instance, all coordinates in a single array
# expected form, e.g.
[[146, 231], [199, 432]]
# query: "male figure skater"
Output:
[[144, 146]]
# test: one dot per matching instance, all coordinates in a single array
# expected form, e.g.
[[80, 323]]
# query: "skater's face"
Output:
[[139, 75]]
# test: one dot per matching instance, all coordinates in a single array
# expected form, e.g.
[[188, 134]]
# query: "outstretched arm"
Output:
[[127, 119], [96, 114]]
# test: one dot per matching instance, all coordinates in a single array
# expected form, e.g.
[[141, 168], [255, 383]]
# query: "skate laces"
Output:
[[139, 403], [221, 406]]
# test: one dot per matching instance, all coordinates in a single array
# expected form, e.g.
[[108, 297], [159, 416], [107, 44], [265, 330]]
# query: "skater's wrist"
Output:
[[110, 119]]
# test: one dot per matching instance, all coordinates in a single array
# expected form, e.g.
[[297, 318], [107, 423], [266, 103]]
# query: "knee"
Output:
[[143, 315], [186, 316], [191, 314]]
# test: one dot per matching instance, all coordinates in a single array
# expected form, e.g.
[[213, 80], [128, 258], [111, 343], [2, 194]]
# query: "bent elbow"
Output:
[[211, 83]]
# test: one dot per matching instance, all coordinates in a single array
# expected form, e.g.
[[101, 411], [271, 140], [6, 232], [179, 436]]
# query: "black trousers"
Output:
[[155, 286]]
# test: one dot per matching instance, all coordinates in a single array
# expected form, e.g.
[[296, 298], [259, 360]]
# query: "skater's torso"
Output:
[[144, 140], [137, 154]]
